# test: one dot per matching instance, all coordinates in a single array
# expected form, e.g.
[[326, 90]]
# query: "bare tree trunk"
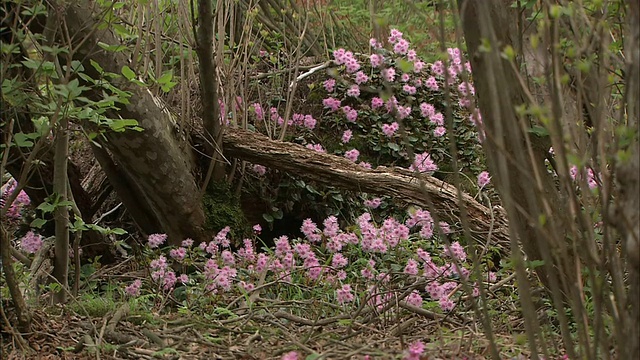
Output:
[[154, 165], [61, 213], [515, 158]]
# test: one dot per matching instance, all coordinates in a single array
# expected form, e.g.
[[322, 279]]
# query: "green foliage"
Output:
[[222, 208]]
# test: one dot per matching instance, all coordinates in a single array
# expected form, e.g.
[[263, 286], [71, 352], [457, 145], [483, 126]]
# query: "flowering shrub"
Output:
[[379, 108], [372, 262]]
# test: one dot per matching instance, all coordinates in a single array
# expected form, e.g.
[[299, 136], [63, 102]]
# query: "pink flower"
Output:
[[376, 102], [292, 355], [178, 254], [353, 91], [339, 56], [257, 229], [414, 299], [412, 55], [483, 179], [391, 129], [134, 288], [376, 60], [184, 278], [465, 89], [339, 261], [365, 165], [352, 114], [352, 155], [414, 352], [403, 111], [432, 83], [438, 68], [31, 242], [389, 74], [456, 251], [411, 90], [427, 110], [329, 85], [418, 66], [228, 257], [401, 47], [423, 163], [373, 42], [344, 294], [259, 169], [439, 131], [309, 122], [411, 268], [316, 147], [352, 65], [373, 203], [346, 136], [437, 119], [156, 240], [446, 304], [331, 103], [394, 36], [187, 243], [361, 78]]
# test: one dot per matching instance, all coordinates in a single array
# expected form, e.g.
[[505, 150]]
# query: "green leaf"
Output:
[[404, 65], [119, 231], [46, 207], [22, 140], [128, 73], [393, 146], [539, 131], [267, 217], [165, 77], [96, 66], [112, 48], [38, 223]]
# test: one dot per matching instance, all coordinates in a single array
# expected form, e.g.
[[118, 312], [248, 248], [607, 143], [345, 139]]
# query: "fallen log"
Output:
[[402, 184]]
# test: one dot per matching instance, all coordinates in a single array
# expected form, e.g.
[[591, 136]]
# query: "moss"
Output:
[[222, 208]]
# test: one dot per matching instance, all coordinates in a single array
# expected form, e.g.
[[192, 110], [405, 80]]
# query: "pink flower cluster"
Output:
[[341, 57], [155, 240], [21, 201], [31, 242], [352, 155], [259, 169], [373, 203], [331, 103], [483, 179], [415, 351], [390, 129], [592, 179], [423, 163]]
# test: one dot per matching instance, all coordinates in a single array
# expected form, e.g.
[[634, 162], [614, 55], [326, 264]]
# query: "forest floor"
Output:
[[101, 326]]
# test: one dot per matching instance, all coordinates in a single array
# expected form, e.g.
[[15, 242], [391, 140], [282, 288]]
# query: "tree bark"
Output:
[[154, 165], [534, 206], [396, 182]]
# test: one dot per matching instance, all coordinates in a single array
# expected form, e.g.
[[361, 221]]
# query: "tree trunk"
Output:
[[528, 192], [153, 168], [342, 173]]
